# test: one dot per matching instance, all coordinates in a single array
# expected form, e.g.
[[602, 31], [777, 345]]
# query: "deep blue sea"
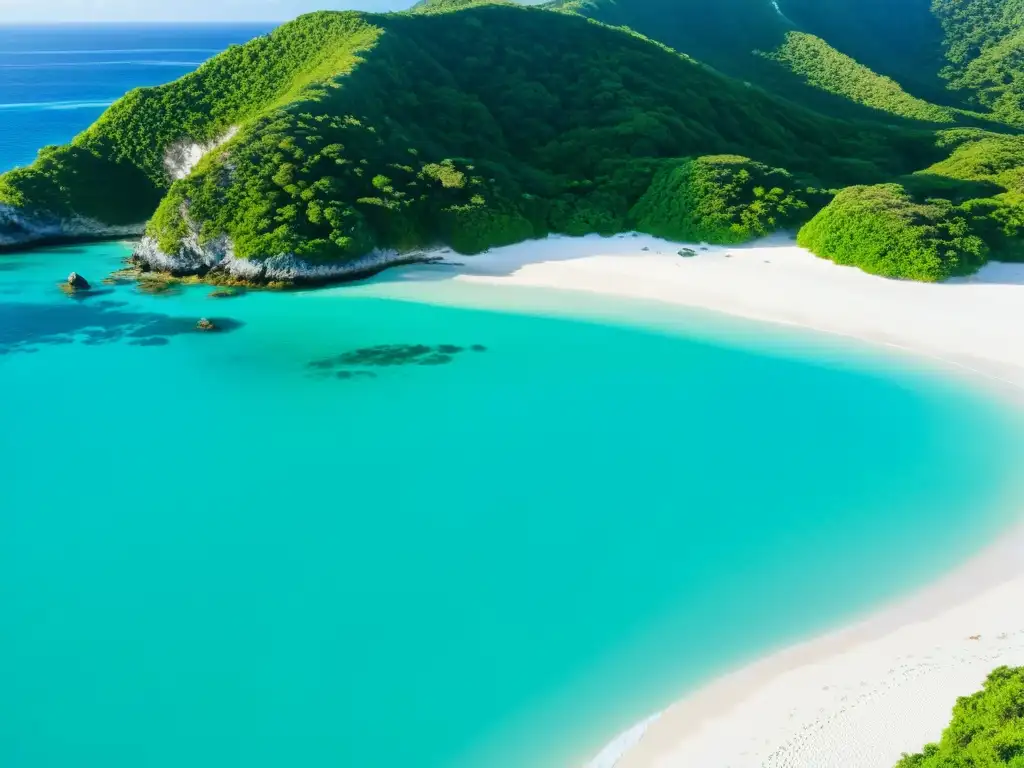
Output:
[[56, 80], [353, 530]]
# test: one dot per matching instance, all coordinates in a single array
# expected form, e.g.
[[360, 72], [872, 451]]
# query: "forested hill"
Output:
[[983, 43], [443, 6], [351, 134], [931, 60]]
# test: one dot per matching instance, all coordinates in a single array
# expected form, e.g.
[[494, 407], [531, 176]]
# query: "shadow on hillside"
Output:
[[923, 185], [26, 327], [993, 273]]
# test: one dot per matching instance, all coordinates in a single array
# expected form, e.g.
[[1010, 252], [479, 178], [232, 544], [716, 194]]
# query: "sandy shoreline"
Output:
[[860, 696]]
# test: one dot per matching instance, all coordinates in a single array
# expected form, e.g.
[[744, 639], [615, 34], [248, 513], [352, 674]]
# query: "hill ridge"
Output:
[[367, 136]]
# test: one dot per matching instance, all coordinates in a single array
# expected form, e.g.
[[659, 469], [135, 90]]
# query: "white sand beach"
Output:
[[860, 696]]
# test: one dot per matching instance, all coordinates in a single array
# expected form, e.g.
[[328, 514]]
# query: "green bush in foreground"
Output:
[[987, 730], [999, 221], [719, 199], [884, 231]]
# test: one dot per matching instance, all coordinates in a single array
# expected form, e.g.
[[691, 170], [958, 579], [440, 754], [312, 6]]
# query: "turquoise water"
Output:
[[213, 553]]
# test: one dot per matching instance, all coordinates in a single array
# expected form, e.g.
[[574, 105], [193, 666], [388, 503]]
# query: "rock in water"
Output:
[[224, 293], [78, 282], [205, 325]]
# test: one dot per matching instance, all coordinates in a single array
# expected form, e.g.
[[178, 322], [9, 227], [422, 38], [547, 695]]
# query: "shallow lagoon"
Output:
[[216, 550]]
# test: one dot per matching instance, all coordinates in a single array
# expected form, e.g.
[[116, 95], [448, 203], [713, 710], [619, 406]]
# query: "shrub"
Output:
[[719, 199], [987, 729], [882, 230]]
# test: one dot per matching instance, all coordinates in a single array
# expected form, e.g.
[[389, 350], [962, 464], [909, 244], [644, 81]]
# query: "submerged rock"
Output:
[[225, 293], [78, 282], [385, 356], [435, 359], [205, 325], [156, 285]]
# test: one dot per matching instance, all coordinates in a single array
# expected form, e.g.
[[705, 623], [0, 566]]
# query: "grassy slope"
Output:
[[444, 6], [984, 43]]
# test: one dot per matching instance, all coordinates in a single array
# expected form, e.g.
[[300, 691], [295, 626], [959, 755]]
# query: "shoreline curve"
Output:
[[860, 695]]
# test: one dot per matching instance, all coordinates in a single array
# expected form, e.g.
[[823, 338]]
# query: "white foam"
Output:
[[27, 105], [111, 50], [120, 63]]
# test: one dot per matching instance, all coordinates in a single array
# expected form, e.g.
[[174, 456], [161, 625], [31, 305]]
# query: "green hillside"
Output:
[[837, 56], [490, 124], [444, 6], [984, 40], [942, 61], [987, 730], [476, 127], [898, 39], [818, 64]]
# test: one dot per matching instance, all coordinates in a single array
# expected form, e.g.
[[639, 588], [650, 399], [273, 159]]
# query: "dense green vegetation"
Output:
[[499, 124], [899, 39], [480, 124], [721, 199], [822, 66], [791, 51], [983, 44], [884, 231], [124, 150], [474, 128], [928, 60], [987, 730], [984, 175], [944, 220]]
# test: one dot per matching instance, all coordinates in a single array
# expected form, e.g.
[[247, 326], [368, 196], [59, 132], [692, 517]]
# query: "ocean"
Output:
[[350, 530], [56, 80]]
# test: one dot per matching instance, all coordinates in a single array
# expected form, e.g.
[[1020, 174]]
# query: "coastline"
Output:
[[966, 323], [860, 695]]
